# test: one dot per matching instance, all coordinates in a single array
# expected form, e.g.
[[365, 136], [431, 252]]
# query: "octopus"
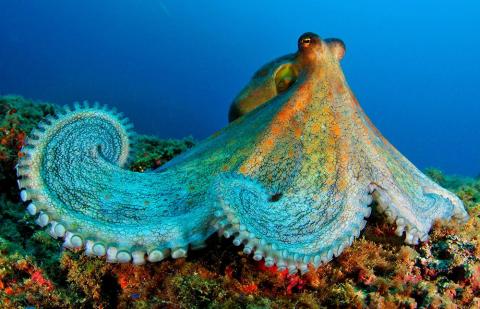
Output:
[[292, 178]]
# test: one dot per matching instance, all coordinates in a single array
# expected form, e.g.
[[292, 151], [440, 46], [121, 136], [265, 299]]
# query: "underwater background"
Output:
[[173, 67]]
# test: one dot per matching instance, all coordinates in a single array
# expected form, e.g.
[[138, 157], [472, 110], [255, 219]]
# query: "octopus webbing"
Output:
[[292, 178]]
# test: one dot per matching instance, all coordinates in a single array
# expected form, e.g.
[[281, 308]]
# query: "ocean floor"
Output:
[[378, 270]]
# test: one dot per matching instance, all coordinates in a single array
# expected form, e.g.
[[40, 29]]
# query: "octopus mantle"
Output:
[[291, 178]]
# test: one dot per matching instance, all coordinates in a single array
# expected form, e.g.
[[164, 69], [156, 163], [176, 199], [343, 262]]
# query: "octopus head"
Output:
[[280, 75], [313, 50]]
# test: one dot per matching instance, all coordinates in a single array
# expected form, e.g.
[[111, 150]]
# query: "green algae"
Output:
[[468, 189], [151, 152], [378, 270]]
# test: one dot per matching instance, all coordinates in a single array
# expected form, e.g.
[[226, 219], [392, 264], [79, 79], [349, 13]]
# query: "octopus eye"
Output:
[[285, 77], [306, 41]]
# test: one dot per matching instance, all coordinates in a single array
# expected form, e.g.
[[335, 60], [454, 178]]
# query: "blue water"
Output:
[[173, 66]]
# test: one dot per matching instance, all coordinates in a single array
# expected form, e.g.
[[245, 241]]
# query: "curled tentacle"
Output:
[[72, 177], [292, 230], [411, 199]]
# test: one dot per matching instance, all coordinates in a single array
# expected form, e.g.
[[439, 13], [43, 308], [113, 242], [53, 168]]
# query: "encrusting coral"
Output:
[[378, 270]]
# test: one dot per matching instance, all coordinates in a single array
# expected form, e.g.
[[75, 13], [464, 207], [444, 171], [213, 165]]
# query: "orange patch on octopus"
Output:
[[298, 132], [336, 130], [316, 128], [243, 169]]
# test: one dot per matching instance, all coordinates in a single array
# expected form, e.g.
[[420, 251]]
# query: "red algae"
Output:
[[249, 288]]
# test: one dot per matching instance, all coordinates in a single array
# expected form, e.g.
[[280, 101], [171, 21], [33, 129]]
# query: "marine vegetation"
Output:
[[292, 180], [377, 270]]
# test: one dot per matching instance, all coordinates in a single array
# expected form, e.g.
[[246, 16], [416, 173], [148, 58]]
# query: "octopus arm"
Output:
[[72, 177], [408, 197], [295, 230]]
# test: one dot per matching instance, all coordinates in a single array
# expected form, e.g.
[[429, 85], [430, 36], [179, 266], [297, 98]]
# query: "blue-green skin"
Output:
[[292, 195]]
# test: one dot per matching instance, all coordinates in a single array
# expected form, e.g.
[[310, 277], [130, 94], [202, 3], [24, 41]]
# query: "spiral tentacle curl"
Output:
[[72, 178]]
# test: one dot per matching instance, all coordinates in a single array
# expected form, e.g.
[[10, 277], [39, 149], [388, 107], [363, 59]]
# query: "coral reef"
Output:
[[378, 270], [153, 152], [17, 118]]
